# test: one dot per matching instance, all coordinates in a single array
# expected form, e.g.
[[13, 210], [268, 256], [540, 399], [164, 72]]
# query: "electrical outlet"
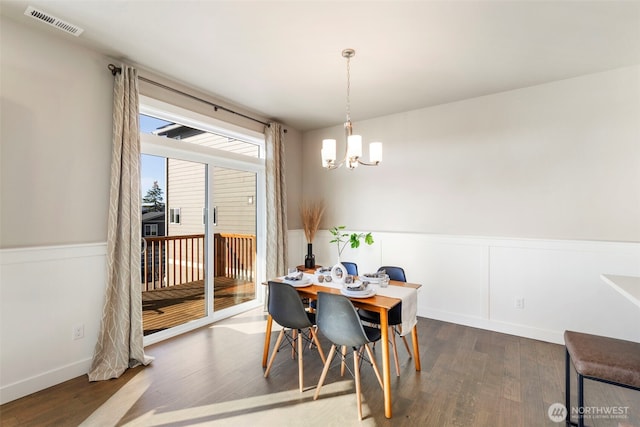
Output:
[[78, 332], [519, 303]]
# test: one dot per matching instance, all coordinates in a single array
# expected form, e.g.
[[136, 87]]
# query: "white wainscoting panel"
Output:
[[476, 281], [44, 293]]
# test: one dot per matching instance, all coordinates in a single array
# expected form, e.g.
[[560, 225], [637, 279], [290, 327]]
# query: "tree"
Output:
[[154, 196]]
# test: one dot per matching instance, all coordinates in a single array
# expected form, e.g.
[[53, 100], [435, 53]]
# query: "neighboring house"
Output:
[[153, 223]]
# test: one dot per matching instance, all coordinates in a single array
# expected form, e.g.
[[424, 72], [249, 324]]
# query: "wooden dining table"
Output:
[[378, 303]]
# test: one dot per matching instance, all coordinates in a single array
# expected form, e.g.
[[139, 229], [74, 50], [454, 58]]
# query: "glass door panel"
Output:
[[234, 227], [174, 198]]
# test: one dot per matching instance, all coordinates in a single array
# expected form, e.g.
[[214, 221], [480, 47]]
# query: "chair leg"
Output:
[[580, 400], [332, 351], [273, 353], [314, 337], [342, 364], [374, 364], [356, 374], [395, 352], [294, 334], [300, 364], [567, 385], [406, 344]]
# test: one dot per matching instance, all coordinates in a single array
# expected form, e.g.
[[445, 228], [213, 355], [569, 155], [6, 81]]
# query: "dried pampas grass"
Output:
[[311, 213]]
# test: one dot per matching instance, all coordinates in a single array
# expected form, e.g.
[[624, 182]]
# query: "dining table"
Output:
[[381, 303]]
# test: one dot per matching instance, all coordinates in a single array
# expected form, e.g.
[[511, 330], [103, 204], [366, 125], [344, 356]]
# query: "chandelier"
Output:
[[353, 151]]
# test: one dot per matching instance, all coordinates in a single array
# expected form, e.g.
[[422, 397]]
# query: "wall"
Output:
[[532, 193], [56, 140], [555, 161]]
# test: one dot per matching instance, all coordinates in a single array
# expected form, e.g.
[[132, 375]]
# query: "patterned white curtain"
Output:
[[120, 344], [276, 202]]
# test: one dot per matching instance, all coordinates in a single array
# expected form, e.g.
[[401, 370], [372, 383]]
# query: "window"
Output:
[[174, 216], [150, 230]]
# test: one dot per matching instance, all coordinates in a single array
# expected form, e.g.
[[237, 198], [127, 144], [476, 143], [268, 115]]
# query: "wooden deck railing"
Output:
[[175, 260], [235, 255]]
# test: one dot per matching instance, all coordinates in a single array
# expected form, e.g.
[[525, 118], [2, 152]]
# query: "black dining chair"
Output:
[[395, 314], [339, 322], [286, 308]]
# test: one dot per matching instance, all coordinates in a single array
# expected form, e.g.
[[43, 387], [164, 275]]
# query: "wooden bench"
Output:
[[608, 360]]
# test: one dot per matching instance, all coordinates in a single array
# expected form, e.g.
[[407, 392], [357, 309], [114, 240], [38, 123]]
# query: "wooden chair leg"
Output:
[[406, 344], [300, 364], [273, 353], [374, 365], [324, 371], [395, 352], [356, 374], [314, 337], [342, 364], [294, 334]]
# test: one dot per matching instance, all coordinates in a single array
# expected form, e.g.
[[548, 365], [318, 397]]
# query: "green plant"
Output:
[[341, 238]]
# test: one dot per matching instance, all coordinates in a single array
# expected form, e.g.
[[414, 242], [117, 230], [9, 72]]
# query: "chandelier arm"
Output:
[[368, 163]]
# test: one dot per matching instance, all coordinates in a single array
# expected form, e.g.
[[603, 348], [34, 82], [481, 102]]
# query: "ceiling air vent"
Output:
[[53, 21]]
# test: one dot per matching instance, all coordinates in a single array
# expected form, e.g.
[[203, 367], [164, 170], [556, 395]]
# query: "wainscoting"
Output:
[[476, 281]]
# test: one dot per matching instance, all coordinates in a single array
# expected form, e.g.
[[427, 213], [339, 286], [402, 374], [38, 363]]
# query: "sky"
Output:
[[151, 167]]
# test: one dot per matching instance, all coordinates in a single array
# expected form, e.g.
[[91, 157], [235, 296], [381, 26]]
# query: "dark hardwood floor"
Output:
[[213, 376]]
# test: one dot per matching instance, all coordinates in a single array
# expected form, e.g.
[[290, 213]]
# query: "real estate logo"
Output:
[[557, 412]]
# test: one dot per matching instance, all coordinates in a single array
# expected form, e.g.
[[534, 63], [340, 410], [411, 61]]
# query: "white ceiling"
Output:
[[283, 59]]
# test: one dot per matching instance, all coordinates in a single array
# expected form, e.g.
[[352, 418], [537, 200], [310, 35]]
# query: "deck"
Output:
[[172, 306]]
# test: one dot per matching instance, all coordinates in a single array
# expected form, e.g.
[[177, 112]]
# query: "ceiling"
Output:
[[283, 60]]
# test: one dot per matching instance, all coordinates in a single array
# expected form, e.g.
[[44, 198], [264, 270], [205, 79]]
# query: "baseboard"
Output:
[[45, 380], [555, 337]]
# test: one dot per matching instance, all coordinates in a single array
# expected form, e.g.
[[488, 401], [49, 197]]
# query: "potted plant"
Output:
[[311, 213], [341, 238]]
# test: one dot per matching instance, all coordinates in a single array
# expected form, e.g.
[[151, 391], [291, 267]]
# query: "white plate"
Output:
[[305, 281], [374, 280], [358, 294]]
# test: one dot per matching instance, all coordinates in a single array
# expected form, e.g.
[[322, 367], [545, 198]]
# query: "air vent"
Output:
[[53, 21]]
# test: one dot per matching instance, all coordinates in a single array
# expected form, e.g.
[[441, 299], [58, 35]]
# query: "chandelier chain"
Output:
[[348, 89]]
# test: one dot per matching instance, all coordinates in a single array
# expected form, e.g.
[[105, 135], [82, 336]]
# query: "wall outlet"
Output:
[[78, 332], [519, 303]]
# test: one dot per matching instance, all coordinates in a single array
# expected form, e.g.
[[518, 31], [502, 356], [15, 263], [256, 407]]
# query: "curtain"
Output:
[[276, 202], [120, 341]]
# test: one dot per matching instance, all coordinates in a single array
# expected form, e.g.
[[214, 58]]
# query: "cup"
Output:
[[384, 280], [292, 271]]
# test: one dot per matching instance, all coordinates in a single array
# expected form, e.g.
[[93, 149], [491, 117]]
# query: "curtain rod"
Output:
[[115, 70]]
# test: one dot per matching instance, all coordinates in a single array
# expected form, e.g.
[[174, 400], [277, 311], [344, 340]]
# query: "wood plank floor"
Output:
[[213, 376], [176, 305]]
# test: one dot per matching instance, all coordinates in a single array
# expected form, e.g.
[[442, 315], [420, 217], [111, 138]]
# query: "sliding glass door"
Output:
[[200, 225]]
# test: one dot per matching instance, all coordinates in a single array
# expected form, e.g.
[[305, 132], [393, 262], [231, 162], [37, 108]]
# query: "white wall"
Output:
[[475, 280], [55, 138], [55, 156], [532, 193], [44, 293], [555, 161]]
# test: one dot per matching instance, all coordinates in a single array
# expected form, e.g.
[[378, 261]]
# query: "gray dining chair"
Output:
[[395, 315], [286, 308], [339, 322]]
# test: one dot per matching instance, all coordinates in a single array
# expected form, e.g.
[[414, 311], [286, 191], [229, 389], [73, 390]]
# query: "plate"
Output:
[[373, 280], [305, 281], [358, 294]]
